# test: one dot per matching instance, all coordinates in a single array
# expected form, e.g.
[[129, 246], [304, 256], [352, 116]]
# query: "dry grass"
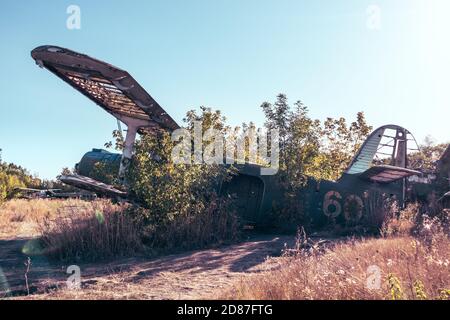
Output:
[[20, 217], [72, 229], [209, 226], [409, 268], [413, 260], [79, 230], [400, 224], [342, 273], [92, 231]]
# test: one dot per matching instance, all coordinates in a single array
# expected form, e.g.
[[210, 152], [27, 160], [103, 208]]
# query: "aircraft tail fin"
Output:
[[386, 146]]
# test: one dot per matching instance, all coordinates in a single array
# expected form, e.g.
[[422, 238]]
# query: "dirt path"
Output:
[[191, 275]]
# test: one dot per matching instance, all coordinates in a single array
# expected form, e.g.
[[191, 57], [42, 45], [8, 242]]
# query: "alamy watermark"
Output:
[[253, 145], [73, 21], [373, 279], [73, 282], [373, 21]]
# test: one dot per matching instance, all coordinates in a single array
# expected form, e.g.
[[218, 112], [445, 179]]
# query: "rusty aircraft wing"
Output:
[[92, 185], [113, 89]]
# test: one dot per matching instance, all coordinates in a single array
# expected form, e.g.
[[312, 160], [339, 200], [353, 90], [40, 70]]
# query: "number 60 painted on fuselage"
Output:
[[334, 198]]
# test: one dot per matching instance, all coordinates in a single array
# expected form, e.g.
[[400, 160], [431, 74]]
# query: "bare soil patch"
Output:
[[191, 275]]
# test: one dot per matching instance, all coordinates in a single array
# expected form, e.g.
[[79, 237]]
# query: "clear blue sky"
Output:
[[227, 54]]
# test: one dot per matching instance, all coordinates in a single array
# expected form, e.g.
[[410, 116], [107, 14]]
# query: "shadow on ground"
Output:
[[189, 272]]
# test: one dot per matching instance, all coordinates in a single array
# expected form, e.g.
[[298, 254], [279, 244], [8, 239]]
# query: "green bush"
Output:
[[180, 204]]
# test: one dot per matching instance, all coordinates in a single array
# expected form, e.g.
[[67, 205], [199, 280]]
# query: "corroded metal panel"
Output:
[[89, 184], [113, 89]]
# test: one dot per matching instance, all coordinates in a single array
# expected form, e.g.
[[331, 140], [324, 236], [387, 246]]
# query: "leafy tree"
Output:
[[168, 189], [13, 176], [278, 116], [429, 154], [301, 147], [340, 144], [309, 149], [208, 118]]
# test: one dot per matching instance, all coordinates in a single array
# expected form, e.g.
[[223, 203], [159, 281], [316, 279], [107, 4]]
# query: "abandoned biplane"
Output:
[[118, 93]]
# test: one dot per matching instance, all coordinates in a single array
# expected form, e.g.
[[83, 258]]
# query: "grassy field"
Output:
[[410, 261], [407, 269], [21, 218]]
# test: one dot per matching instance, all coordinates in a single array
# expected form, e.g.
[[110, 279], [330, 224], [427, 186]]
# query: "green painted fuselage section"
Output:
[[259, 196]]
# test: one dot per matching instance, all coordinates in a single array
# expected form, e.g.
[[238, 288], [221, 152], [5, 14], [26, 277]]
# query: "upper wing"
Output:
[[387, 174], [113, 89]]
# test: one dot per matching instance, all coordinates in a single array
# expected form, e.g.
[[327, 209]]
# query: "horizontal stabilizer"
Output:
[[387, 174], [92, 185]]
